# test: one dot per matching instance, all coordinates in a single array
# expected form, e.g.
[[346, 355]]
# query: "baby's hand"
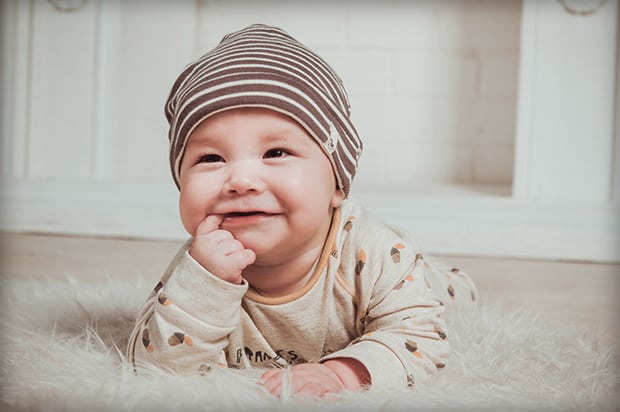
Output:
[[318, 379], [219, 252]]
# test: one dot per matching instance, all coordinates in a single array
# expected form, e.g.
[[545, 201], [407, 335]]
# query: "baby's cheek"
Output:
[[190, 216], [189, 227]]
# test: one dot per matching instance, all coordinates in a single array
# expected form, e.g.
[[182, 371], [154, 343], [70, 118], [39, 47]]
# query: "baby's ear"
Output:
[[337, 198]]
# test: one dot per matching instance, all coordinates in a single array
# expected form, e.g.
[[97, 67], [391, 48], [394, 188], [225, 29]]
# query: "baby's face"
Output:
[[267, 178]]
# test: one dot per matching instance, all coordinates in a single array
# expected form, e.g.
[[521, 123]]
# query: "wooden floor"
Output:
[[566, 294]]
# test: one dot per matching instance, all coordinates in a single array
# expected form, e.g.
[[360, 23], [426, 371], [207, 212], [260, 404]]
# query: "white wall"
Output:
[[455, 100], [567, 108], [432, 83]]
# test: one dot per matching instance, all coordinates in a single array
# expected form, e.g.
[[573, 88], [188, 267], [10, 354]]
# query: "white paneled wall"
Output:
[[432, 83], [489, 125], [567, 144], [90, 90]]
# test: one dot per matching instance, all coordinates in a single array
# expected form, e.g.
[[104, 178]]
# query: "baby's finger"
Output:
[[240, 259], [209, 224], [248, 257], [312, 388], [269, 374], [225, 243], [272, 381]]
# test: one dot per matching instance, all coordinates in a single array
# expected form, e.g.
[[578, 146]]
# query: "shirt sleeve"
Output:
[[186, 320], [403, 337]]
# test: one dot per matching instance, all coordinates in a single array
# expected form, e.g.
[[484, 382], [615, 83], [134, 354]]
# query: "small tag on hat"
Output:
[[332, 140]]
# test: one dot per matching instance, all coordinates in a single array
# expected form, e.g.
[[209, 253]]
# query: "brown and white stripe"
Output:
[[263, 66]]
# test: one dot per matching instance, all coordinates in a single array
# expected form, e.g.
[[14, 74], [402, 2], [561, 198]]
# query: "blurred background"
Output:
[[490, 127]]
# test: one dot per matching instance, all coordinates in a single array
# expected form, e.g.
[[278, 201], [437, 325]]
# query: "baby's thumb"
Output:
[[209, 224], [250, 256]]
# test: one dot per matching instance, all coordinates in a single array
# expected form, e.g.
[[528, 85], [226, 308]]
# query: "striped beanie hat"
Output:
[[263, 66]]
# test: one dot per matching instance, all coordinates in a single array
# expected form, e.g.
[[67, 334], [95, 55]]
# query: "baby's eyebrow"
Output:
[[284, 134], [200, 140]]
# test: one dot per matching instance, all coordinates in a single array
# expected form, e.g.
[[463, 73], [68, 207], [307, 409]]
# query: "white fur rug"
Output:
[[63, 343]]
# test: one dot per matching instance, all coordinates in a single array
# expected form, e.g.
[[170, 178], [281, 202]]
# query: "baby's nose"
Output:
[[243, 178]]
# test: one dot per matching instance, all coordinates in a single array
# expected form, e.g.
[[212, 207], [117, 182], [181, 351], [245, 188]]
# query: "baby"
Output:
[[283, 270]]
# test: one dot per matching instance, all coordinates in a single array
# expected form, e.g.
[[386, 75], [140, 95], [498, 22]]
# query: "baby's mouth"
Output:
[[243, 214], [247, 218]]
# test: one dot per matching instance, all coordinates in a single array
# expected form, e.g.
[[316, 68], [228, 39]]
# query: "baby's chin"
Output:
[[266, 256], [260, 241]]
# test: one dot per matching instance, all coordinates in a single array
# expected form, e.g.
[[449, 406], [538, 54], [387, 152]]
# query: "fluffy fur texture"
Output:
[[63, 344]]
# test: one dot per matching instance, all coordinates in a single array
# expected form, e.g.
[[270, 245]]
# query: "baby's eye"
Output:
[[273, 153], [210, 158]]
